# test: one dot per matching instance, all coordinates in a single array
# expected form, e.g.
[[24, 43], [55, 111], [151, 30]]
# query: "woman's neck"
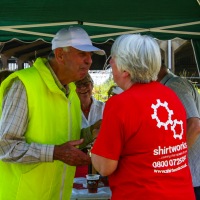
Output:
[[85, 107]]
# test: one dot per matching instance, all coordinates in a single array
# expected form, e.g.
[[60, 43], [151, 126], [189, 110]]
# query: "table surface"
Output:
[[80, 191]]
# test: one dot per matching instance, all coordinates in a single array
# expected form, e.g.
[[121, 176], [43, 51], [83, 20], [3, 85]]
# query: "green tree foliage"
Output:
[[100, 92]]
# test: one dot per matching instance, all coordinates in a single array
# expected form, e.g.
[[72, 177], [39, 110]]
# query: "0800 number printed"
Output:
[[171, 162]]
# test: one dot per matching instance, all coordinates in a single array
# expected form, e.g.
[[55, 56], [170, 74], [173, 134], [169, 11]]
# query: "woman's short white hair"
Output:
[[139, 55]]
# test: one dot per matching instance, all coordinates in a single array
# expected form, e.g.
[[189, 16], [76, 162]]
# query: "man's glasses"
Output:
[[86, 84]]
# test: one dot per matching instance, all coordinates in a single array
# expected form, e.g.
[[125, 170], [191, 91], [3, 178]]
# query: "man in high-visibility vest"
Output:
[[40, 126]]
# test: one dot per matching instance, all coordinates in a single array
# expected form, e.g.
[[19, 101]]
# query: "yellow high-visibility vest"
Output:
[[53, 119]]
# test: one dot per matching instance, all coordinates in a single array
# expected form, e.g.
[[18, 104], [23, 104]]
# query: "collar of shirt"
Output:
[[65, 89], [166, 78]]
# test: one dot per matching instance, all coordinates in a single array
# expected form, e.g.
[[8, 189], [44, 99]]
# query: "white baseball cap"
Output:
[[75, 37]]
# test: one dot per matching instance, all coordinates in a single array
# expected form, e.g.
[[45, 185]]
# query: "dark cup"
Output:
[[92, 182]]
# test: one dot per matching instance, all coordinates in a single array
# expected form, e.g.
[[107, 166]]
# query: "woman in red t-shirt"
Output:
[[141, 145]]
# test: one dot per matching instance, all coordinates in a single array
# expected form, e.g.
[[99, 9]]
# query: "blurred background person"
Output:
[[141, 145], [190, 98], [92, 111]]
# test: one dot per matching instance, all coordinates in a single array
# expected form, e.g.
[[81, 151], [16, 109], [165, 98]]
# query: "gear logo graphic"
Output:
[[155, 116], [173, 123], [176, 122]]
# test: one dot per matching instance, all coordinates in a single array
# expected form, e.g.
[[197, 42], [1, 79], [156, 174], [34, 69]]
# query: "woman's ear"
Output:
[[125, 74]]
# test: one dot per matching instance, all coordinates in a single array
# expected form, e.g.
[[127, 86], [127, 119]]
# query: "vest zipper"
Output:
[[69, 138]]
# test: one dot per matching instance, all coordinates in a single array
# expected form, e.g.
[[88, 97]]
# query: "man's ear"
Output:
[[59, 55]]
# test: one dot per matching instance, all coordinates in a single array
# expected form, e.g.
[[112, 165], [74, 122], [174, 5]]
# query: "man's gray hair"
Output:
[[51, 55], [139, 55]]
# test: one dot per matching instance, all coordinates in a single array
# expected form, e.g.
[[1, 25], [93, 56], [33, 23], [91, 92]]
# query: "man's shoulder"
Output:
[[178, 78], [28, 74], [181, 82], [172, 80]]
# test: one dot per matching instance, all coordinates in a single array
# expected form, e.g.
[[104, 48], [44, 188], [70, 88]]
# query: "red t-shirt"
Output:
[[144, 128]]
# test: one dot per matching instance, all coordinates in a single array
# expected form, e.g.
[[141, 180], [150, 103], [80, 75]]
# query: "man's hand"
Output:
[[70, 154]]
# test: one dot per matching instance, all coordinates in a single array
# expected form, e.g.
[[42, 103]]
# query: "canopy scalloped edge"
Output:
[[129, 30]]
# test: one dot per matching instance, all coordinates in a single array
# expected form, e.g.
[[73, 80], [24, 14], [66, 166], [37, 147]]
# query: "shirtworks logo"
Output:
[[169, 121]]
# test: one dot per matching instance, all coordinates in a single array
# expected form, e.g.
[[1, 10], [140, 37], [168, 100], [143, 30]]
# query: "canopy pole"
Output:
[[196, 50], [169, 54]]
